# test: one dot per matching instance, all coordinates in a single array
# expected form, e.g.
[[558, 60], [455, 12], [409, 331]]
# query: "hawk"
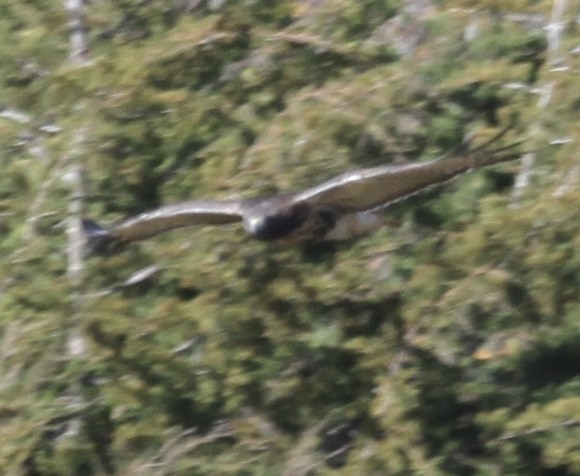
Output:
[[341, 208]]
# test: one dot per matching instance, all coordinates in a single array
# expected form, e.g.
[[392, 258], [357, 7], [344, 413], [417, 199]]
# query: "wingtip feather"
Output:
[[100, 241]]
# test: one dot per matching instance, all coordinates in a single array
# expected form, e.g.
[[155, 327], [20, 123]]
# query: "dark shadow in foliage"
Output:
[[113, 341], [532, 461], [172, 394], [327, 379], [550, 363], [500, 181], [445, 420], [532, 50], [336, 441], [258, 268], [519, 297], [366, 318], [97, 427], [319, 252], [425, 215], [201, 65], [173, 386], [481, 98]]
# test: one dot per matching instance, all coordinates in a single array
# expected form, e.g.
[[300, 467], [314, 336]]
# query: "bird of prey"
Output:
[[341, 208]]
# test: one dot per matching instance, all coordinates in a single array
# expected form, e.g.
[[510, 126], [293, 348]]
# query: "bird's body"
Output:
[[340, 208]]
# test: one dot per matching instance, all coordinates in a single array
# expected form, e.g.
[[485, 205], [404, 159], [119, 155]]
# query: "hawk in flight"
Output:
[[341, 208]]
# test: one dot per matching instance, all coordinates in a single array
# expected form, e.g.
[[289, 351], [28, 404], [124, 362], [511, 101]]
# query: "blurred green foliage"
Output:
[[448, 345]]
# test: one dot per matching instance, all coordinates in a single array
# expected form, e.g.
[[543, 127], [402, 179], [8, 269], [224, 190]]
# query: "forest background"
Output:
[[449, 344]]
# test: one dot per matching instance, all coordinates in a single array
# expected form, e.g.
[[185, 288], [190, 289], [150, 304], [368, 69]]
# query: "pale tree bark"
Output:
[[75, 176], [74, 340], [79, 49], [555, 65], [75, 345], [88, 419], [79, 52]]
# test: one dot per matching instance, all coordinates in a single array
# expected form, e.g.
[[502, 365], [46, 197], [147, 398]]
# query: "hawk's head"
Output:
[[275, 223]]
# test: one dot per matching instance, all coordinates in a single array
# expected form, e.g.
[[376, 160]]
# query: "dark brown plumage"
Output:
[[340, 208]]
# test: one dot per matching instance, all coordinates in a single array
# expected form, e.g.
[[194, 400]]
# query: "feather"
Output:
[[377, 187], [339, 208]]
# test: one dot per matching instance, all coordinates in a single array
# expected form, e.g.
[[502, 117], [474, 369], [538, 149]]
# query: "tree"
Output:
[[447, 345]]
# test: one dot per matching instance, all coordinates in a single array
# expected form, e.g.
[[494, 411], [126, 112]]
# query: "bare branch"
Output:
[[571, 423], [33, 214]]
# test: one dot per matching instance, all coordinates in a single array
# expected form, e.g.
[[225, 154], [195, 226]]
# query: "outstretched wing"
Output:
[[365, 189], [154, 222]]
